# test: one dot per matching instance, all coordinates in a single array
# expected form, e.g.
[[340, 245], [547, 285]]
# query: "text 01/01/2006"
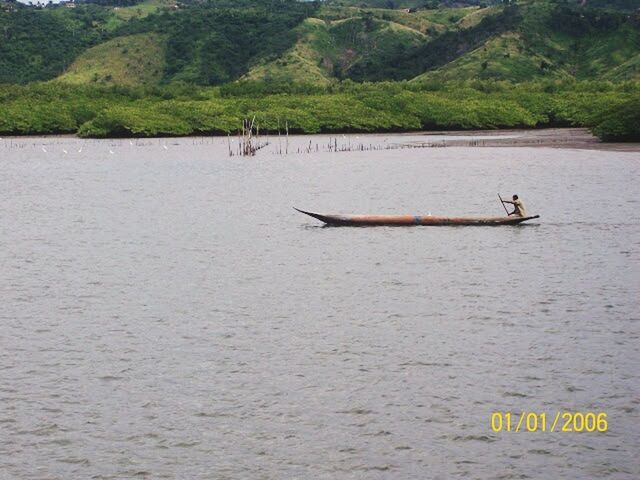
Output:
[[539, 422]]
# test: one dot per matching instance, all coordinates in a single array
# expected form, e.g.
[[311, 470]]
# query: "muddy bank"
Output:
[[579, 138]]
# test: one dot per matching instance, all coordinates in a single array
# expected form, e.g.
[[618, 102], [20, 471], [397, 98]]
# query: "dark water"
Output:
[[166, 314]]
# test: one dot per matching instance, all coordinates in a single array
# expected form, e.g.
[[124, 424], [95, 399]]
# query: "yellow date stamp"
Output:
[[541, 422]]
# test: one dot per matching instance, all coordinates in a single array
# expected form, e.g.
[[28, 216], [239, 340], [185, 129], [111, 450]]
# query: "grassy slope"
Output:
[[308, 61], [419, 21], [583, 49], [501, 58], [331, 48], [129, 60], [346, 41], [364, 45], [448, 16], [340, 41], [475, 16], [539, 49], [122, 15], [612, 56], [627, 70], [212, 44]]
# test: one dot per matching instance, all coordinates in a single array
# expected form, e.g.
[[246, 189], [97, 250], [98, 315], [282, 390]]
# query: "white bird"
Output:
[[44, 150], [111, 152], [65, 152], [130, 142], [79, 151], [165, 147]]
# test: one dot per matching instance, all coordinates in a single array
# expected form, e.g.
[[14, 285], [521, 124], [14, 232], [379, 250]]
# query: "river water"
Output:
[[166, 314]]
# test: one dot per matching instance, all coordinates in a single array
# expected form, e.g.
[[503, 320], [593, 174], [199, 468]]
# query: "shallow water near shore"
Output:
[[167, 314]]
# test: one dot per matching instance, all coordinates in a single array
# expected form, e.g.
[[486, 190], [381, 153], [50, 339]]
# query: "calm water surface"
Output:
[[166, 314]]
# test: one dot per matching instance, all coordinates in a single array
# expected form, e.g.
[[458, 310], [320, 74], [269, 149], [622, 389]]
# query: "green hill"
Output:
[[500, 58], [553, 41], [39, 44], [130, 60], [214, 42], [310, 60], [367, 43]]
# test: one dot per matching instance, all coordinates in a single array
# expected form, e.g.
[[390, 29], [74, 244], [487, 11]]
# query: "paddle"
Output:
[[502, 202]]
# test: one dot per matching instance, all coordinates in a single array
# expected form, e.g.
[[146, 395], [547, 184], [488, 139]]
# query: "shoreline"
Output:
[[573, 138], [570, 137]]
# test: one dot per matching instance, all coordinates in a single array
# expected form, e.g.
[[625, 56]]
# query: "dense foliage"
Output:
[[208, 43], [216, 43], [211, 42], [40, 44], [620, 123], [625, 5], [201, 66], [610, 109], [443, 49]]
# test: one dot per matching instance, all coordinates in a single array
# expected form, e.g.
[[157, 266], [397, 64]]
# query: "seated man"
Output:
[[518, 207]]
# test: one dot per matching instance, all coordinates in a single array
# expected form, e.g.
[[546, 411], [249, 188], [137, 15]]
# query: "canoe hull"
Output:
[[413, 220]]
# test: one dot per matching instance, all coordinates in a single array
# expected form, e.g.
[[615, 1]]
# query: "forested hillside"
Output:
[[160, 67], [217, 41]]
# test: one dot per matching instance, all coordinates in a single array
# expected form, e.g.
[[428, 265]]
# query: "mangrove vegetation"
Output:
[[609, 109]]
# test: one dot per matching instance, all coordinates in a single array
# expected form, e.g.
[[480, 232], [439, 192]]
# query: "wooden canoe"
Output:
[[412, 220]]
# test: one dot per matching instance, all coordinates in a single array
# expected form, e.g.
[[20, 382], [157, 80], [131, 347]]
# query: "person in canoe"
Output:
[[518, 207]]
